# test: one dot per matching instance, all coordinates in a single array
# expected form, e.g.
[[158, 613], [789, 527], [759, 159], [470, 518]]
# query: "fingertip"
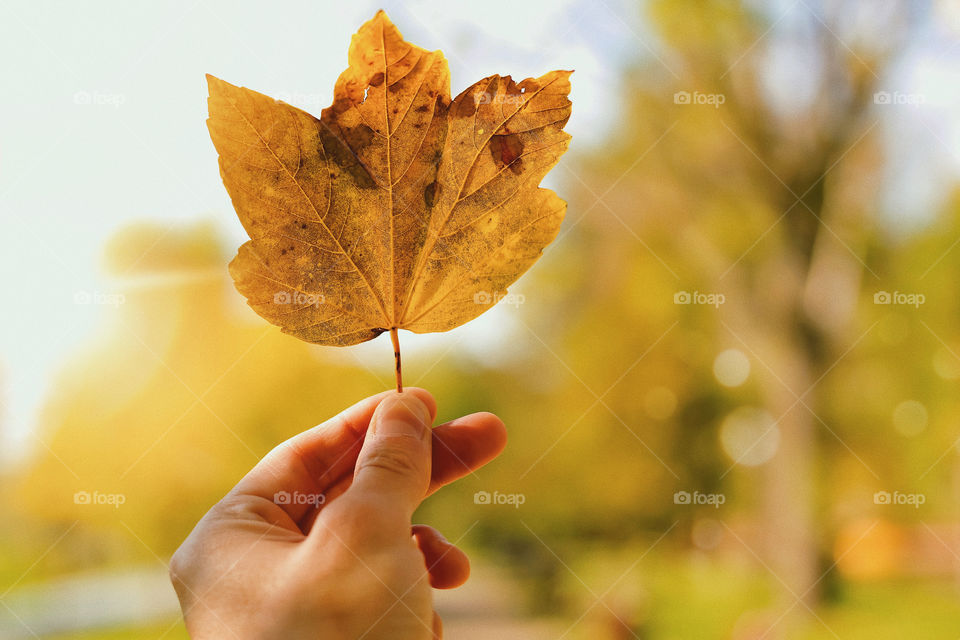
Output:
[[464, 445], [485, 431], [455, 569], [401, 414], [426, 398], [496, 430], [447, 565]]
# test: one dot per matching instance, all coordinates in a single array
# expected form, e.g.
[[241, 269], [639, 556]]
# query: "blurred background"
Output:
[[730, 384]]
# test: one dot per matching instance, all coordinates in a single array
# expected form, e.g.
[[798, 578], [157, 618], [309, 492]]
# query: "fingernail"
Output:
[[400, 415]]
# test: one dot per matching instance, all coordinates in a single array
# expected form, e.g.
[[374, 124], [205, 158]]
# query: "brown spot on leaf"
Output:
[[464, 106], [506, 150], [337, 152], [430, 194]]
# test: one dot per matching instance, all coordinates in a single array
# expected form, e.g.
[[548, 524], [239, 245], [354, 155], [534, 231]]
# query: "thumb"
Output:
[[393, 467]]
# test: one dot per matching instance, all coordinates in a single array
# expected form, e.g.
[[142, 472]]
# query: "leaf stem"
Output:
[[396, 356]]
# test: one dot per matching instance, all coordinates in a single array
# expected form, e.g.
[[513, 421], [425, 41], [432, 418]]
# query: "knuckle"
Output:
[[365, 522], [392, 459], [177, 569], [232, 507]]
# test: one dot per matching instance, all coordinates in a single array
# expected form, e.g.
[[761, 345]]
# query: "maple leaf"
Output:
[[398, 208]]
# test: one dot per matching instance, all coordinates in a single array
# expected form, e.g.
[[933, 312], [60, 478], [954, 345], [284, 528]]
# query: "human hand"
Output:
[[275, 560]]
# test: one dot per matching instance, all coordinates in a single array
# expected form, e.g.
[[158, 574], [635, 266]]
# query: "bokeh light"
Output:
[[750, 436], [731, 368]]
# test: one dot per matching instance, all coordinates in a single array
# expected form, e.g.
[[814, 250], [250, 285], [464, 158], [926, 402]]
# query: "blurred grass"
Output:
[[694, 596], [682, 594], [165, 631], [891, 610], [704, 600]]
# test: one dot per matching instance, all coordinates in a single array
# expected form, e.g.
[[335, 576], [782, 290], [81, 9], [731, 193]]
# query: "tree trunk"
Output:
[[790, 545]]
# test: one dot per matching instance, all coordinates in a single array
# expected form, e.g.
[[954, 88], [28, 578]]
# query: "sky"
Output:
[[102, 123]]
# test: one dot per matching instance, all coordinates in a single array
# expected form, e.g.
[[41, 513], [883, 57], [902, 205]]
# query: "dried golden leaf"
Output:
[[398, 208]]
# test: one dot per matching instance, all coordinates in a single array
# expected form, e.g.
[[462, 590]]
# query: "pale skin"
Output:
[[259, 566]]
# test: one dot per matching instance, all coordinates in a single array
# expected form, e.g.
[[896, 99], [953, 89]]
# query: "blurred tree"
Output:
[[747, 164]]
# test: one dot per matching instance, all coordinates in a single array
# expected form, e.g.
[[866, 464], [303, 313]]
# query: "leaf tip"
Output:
[[381, 17], [215, 84]]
